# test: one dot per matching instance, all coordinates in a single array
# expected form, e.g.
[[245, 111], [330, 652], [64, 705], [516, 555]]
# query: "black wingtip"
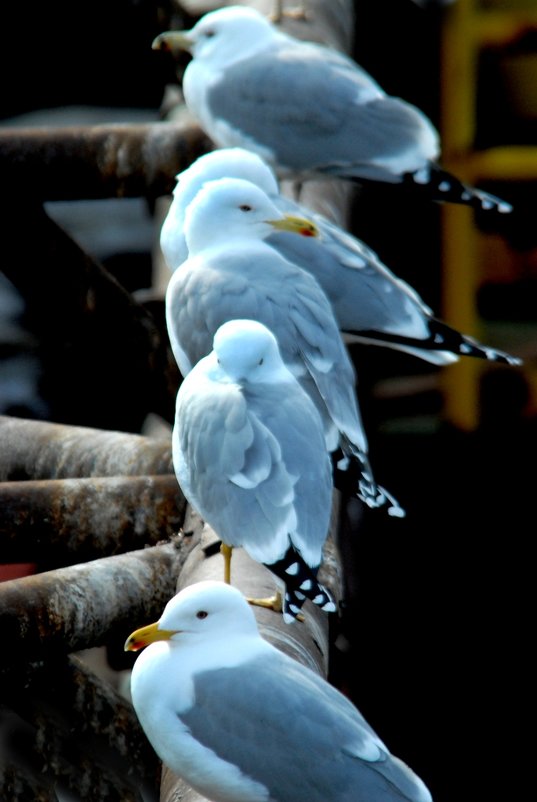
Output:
[[446, 338], [441, 337], [353, 476], [300, 584], [441, 186]]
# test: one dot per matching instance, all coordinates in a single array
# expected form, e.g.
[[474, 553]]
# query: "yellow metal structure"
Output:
[[469, 27]]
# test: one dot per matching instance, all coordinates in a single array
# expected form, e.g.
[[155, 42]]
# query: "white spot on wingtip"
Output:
[[397, 512], [292, 569], [444, 186], [422, 176], [329, 607], [306, 585]]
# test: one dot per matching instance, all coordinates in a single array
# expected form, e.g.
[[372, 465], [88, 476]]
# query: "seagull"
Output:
[[241, 721], [307, 109], [370, 303], [232, 273], [250, 456]]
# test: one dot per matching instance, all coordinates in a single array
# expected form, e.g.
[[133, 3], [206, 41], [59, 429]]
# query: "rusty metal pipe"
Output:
[[78, 607], [57, 522], [16, 783], [84, 705], [98, 161], [43, 450]]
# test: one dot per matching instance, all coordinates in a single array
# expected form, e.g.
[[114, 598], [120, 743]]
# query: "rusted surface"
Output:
[[86, 709], [43, 450], [57, 522], [105, 359], [78, 607], [99, 161], [16, 783]]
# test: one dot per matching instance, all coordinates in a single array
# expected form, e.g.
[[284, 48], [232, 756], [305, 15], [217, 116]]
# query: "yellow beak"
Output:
[[174, 42], [298, 225], [146, 635]]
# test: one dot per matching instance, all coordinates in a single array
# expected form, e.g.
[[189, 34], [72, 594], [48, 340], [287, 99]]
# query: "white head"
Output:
[[204, 611], [234, 209], [248, 352], [224, 163], [222, 35]]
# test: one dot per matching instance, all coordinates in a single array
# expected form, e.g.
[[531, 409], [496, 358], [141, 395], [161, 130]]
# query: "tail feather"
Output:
[[300, 584]]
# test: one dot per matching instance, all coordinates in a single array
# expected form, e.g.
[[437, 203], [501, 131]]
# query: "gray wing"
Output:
[[287, 300], [230, 468], [313, 108], [364, 293], [324, 354], [291, 416], [199, 298], [367, 298], [297, 735]]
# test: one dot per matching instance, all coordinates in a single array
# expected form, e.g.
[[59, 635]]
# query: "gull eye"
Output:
[[260, 361], [202, 614], [244, 207], [209, 33]]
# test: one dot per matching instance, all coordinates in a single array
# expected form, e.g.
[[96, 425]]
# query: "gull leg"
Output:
[[270, 602], [226, 552], [273, 603]]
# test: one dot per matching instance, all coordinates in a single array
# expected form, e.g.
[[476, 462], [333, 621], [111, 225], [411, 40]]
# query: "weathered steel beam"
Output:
[[16, 783], [105, 359], [78, 607], [98, 161], [43, 450], [57, 522], [65, 694]]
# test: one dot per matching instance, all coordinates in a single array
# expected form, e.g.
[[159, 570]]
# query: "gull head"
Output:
[[247, 351], [220, 35], [206, 609], [225, 163], [232, 209]]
